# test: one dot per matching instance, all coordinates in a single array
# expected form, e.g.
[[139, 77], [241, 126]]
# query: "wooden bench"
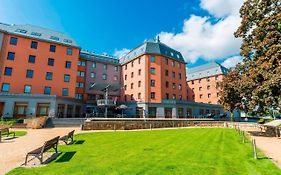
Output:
[[6, 132], [66, 138], [38, 153]]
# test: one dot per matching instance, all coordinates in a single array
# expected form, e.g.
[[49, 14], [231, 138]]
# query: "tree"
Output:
[[259, 76]]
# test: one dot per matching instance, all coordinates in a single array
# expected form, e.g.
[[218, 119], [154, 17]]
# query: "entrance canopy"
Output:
[[103, 86]]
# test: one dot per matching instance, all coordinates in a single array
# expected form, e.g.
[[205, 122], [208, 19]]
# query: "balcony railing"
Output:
[[104, 102]]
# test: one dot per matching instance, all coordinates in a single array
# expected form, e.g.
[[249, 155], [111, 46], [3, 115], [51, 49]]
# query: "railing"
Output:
[[104, 102]]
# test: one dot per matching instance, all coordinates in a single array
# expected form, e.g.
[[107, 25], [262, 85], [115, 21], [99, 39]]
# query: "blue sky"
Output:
[[110, 26]]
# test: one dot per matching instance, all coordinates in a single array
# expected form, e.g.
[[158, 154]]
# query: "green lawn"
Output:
[[181, 151], [20, 133]]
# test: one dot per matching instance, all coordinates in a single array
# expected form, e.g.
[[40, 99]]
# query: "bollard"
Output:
[[243, 136], [254, 148]]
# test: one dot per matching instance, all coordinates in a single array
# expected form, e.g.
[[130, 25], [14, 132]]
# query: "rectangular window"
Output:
[[132, 85], [152, 59], [208, 87], [80, 74], [139, 84], [173, 63], [139, 95], [29, 74], [152, 83], [31, 59], [208, 79], [132, 74], [49, 75], [94, 65], [166, 61], [105, 66], [93, 75], [116, 68], [52, 48], [180, 87], [132, 64], [13, 41], [66, 78], [125, 77], [5, 87], [27, 89], [69, 51], [174, 96], [34, 45], [139, 60], [139, 71], [174, 85], [209, 95], [8, 71], [51, 62], [68, 64], [152, 71], [173, 74], [152, 95], [115, 77], [132, 97], [104, 76], [47, 90], [179, 76], [11, 56], [125, 87], [199, 80], [167, 96], [64, 91], [200, 88], [179, 65], [167, 73], [216, 77], [126, 67], [167, 84]]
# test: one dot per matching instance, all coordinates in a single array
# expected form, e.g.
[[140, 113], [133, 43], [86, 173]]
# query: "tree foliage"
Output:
[[255, 85]]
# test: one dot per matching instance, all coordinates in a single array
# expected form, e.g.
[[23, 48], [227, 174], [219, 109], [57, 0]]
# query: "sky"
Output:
[[202, 30]]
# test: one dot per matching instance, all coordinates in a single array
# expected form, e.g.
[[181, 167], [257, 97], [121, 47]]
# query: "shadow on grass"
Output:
[[66, 157], [79, 142], [261, 158]]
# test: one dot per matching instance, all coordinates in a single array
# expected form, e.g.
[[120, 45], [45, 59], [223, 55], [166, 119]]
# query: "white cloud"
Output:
[[232, 61], [221, 8], [200, 38], [121, 53]]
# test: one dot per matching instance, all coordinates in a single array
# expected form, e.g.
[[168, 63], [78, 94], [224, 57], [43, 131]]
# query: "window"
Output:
[[174, 85], [192, 82], [152, 59], [216, 77], [115, 77], [132, 97], [66, 78], [166, 61], [31, 59], [125, 77], [167, 84], [199, 80], [173, 74], [179, 76], [116, 68], [200, 96], [13, 41], [49, 75], [94, 65], [180, 97], [179, 65], [105, 66], [29, 74], [125, 98], [152, 95], [64, 91], [81, 63], [93, 75], [152, 83], [104, 76], [80, 74], [174, 96], [200, 88], [125, 87], [79, 85], [132, 64], [208, 79], [52, 48], [173, 63], [139, 71], [167, 96], [126, 67], [208, 87], [68, 64], [132, 85], [139, 60], [54, 38], [8, 71], [180, 87], [47, 90], [139, 84], [36, 34], [69, 51], [218, 94], [11, 56], [167, 73], [132, 74], [209, 95], [139, 95], [5, 87], [34, 45], [192, 89], [152, 71], [51, 62], [27, 89], [79, 96]]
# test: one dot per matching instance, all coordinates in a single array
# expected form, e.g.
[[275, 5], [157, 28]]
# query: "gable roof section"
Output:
[[38, 33], [101, 58]]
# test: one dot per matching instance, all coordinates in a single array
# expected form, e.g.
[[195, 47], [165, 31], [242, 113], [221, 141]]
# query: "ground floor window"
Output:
[[69, 111], [180, 113], [43, 109], [189, 112], [60, 109], [168, 112], [77, 111], [139, 112], [20, 109], [152, 112]]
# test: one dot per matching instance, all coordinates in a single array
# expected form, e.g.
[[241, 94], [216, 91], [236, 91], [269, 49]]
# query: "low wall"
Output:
[[148, 124]]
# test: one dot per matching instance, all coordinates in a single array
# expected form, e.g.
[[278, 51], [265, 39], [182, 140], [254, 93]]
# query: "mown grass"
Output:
[[182, 151]]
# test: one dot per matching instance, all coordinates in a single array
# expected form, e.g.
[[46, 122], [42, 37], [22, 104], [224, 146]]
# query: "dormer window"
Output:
[[21, 31], [54, 38]]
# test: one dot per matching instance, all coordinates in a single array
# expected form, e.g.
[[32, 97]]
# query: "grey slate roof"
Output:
[[38, 33], [95, 57], [152, 47], [206, 70]]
